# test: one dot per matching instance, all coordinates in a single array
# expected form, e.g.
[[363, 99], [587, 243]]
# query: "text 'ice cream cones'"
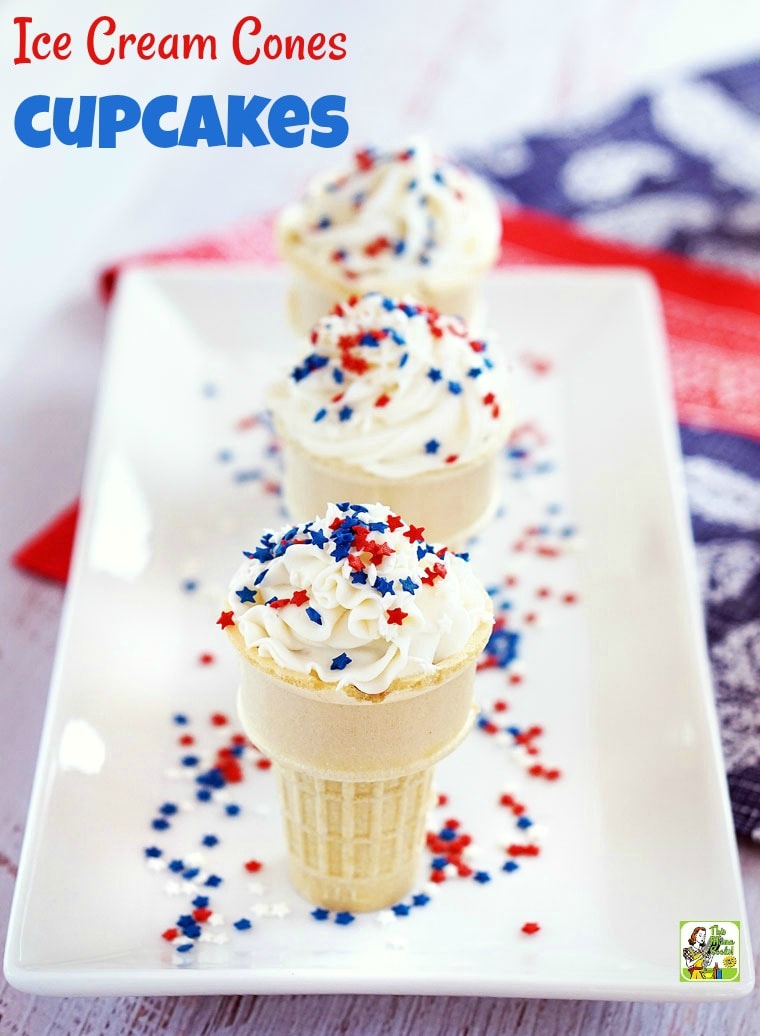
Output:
[[398, 222], [395, 402], [358, 643]]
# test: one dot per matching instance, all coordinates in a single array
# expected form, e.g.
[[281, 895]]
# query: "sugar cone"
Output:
[[354, 772], [451, 503]]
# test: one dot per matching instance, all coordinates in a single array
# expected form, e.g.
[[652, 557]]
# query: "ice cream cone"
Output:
[[452, 503], [400, 222], [354, 771]]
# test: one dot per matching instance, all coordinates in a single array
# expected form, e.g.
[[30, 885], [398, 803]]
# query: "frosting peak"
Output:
[[356, 597], [395, 389], [400, 216]]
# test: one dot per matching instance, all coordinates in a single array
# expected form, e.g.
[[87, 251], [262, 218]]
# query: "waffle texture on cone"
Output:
[[394, 389], [403, 219]]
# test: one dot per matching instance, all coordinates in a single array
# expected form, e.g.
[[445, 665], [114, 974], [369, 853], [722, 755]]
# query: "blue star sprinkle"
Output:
[[383, 586], [153, 852], [242, 925], [510, 866], [318, 538], [455, 388], [232, 809], [320, 914], [420, 899], [344, 917], [209, 841], [176, 866], [345, 413], [524, 822], [168, 809], [213, 881], [340, 661], [159, 824], [246, 595], [180, 719], [434, 374], [359, 577], [314, 616], [482, 877], [432, 446], [408, 584], [401, 910], [200, 902], [474, 372]]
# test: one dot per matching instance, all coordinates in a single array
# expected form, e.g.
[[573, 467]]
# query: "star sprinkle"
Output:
[[340, 661], [314, 616], [320, 914], [434, 374], [383, 586], [396, 616], [246, 595], [414, 533], [344, 917], [432, 446], [225, 620], [408, 584]]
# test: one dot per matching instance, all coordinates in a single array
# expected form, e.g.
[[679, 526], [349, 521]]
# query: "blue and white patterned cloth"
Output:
[[679, 169]]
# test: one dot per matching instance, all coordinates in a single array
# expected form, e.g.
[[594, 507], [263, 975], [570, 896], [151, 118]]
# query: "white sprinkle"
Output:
[[172, 887], [156, 864], [195, 859], [385, 917], [279, 910], [216, 920], [256, 887]]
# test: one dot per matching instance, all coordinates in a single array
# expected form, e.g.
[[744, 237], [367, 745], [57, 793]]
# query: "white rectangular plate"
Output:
[[634, 837]]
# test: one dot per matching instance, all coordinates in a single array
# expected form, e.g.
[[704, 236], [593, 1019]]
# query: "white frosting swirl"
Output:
[[394, 389], [387, 606], [394, 220]]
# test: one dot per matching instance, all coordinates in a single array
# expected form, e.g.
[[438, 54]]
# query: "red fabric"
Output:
[[48, 553], [712, 320]]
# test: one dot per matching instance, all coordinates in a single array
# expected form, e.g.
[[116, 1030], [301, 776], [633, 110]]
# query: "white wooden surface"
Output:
[[465, 72]]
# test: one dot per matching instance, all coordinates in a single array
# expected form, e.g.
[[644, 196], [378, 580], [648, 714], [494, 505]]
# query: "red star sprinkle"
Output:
[[336, 523], [170, 934], [263, 764], [394, 522], [355, 562], [477, 347], [253, 866], [383, 400], [206, 658], [187, 739], [530, 928], [488, 399], [225, 620], [202, 914], [414, 534], [378, 551], [395, 616], [452, 458], [299, 598], [219, 719]]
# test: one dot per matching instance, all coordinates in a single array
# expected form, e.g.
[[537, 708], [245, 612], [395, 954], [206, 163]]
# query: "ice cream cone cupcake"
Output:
[[395, 402], [358, 643], [397, 222]]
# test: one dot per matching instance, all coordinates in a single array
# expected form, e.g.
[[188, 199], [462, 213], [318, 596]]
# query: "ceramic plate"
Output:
[[591, 790]]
